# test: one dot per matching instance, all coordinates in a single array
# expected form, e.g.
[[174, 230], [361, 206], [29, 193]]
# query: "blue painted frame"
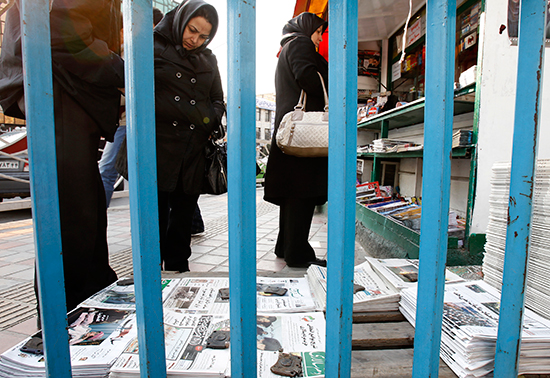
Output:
[[37, 71], [531, 52], [342, 163], [142, 168], [241, 153], [436, 184]]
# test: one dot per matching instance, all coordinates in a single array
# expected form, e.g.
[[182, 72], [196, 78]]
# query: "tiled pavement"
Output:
[[210, 254]]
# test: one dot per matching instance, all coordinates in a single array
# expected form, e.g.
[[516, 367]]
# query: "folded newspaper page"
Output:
[[203, 295], [122, 297], [372, 293], [97, 337], [470, 327], [403, 273]]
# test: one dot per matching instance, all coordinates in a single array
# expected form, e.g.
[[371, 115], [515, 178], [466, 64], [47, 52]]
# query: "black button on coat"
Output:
[[290, 176], [188, 101]]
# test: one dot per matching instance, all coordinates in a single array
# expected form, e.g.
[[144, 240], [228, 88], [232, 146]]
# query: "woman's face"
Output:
[[197, 31], [317, 36]]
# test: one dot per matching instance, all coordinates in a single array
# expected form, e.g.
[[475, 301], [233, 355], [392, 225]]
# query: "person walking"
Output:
[[297, 184], [189, 107], [87, 72]]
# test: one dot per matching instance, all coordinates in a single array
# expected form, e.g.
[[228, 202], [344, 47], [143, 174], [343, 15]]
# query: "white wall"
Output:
[[498, 88]]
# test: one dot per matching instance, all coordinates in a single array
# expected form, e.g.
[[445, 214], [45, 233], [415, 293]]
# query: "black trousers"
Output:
[[176, 211], [295, 216], [82, 204]]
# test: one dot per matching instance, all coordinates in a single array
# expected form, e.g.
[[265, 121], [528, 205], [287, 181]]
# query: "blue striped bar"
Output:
[[524, 154], [343, 18], [35, 26], [241, 154], [438, 130], [142, 170]]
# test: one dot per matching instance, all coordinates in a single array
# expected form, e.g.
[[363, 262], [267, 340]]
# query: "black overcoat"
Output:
[[85, 61], [188, 105], [290, 176]]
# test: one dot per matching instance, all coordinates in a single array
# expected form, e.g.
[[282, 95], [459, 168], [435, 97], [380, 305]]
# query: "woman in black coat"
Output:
[[189, 107], [297, 184]]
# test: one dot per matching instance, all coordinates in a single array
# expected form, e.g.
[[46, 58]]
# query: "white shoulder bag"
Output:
[[302, 133]]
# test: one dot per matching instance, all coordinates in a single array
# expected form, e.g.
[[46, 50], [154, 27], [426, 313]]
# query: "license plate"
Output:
[[9, 165]]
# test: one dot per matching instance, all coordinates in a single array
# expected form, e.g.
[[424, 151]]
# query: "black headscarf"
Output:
[[173, 24], [305, 24]]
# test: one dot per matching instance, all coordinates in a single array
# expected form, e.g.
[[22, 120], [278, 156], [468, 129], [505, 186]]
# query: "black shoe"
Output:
[[317, 261]]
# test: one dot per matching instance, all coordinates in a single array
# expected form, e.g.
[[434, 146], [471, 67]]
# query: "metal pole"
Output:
[[142, 170], [524, 155], [343, 41], [241, 154], [37, 70], [438, 126]]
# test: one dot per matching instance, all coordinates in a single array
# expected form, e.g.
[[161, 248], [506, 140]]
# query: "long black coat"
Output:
[[85, 42], [291, 176], [188, 104]]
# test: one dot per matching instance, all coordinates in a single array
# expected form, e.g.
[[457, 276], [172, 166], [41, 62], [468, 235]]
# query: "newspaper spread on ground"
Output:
[[372, 294], [202, 295], [97, 338], [403, 273], [470, 327], [188, 356], [121, 296]]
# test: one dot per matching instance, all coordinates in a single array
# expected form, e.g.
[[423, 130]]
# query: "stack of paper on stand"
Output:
[[188, 354], [204, 295], [120, 295], [97, 338], [392, 145], [537, 290], [462, 138], [372, 294], [403, 273], [470, 328], [185, 338]]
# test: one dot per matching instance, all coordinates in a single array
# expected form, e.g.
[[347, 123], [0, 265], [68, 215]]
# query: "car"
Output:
[[14, 165]]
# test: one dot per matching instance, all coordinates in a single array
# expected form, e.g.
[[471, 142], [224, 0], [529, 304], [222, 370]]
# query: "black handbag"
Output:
[[215, 171]]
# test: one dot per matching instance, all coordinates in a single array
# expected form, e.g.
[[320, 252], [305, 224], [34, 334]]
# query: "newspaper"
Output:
[[202, 295], [376, 294], [403, 273], [470, 327], [122, 297], [187, 355], [97, 338]]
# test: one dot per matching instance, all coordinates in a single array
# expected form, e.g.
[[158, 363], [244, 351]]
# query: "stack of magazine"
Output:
[[103, 331], [371, 293], [537, 290], [470, 328]]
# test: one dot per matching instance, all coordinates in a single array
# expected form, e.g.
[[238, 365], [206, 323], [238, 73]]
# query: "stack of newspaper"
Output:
[[392, 145], [470, 327], [462, 138], [537, 291], [403, 273], [189, 354], [371, 293], [97, 338]]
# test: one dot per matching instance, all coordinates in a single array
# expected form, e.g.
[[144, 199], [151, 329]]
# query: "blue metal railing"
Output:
[[242, 237]]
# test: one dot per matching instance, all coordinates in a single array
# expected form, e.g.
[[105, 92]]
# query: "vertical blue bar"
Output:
[[524, 156], [241, 152], [142, 170], [438, 130], [342, 165], [37, 69]]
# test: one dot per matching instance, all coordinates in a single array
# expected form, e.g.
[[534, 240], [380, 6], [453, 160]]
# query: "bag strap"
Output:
[[301, 105]]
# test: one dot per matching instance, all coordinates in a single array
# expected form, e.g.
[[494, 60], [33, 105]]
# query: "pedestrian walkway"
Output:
[[209, 254]]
